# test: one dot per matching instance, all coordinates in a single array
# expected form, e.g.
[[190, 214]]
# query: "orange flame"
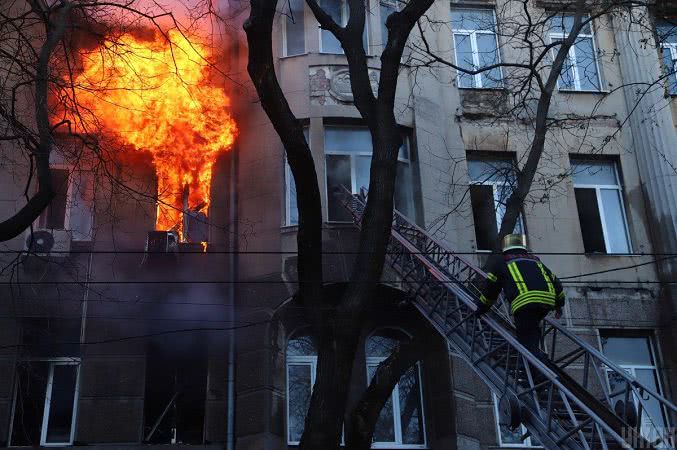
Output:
[[155, 95]]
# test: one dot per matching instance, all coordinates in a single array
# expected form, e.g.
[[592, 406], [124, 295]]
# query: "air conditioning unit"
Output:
[[162, 242], [48, 242]]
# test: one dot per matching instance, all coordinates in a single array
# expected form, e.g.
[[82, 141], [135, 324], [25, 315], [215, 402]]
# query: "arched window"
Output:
[[401, 422], [301, 367]]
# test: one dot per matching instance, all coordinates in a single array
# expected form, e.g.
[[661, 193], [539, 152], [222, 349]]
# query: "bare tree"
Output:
[[530, 81]]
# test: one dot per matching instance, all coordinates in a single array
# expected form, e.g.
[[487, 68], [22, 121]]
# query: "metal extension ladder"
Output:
[[566, 402]]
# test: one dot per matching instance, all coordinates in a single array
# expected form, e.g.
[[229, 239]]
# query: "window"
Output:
[[508, 438], [291, 210], [387, 8], [293, 36], [45, 402], [636, 356], [338, 10], [580, 71], [476, 47], [492, 183], [301, 367], [401, 422], [72, 207], [667, 36], [175, 391], [348, 161], [599, 198]]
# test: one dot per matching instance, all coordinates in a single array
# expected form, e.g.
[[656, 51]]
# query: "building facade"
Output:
[[107, 343]]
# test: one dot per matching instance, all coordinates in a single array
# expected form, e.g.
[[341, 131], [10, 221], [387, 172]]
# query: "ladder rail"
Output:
[[460, 277]]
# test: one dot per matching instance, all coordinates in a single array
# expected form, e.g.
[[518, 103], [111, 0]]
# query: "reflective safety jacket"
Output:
[[524, 280]]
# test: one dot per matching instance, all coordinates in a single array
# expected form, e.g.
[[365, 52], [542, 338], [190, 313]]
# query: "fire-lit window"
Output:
[[348, 153], [293, 36], [491, 184], [338, 10], [73, 205]]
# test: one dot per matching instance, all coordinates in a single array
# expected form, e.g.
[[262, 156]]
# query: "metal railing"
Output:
[[557, 409]]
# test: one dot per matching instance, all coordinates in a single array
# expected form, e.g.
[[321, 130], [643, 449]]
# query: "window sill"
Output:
[[489, 89], [582, 91], [289, 228], [293, 56]]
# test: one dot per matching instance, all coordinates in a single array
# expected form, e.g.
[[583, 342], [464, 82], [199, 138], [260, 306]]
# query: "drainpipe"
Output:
[[233, 262]]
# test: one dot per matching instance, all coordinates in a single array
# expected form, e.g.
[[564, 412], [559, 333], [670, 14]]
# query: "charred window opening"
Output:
[[175, 395], [46, 384]]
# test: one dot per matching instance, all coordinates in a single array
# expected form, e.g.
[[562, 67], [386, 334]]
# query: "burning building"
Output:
[[110, 337]]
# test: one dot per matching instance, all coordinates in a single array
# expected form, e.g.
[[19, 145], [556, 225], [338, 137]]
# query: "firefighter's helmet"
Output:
[[512, 241]]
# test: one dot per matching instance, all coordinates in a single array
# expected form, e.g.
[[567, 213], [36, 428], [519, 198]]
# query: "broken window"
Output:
[[492, 183], [400, 422], [45, 402], [599, 199], [175, 395]]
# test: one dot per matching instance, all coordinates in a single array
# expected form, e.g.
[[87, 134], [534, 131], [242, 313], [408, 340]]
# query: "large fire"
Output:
[[155, 95]]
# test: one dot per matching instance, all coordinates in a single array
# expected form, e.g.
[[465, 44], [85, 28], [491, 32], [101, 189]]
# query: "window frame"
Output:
[[499, 438], [287, 176], [374, 361], [64, 361], [71, 191], [672, 72], [345, 16], [598, 194], [631, 368], [406, 159], [308, 361], [495, 191], [572, 57], [472, 34], [284, 35]]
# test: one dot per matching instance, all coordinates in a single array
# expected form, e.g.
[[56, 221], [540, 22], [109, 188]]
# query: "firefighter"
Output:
[[530, 287]]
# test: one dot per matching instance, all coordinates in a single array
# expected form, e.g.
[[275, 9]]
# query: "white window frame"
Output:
[[475, 52], [672, 47], [632, 368], [374, 361], [554, 35], [309, 361], [526, 443], [353, 163], [598, 193], [496, 194], [345, 15], [48, 392], [284, 35]]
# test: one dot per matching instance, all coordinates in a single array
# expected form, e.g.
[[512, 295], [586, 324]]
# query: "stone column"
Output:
[[655, 148], [652, 128]]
